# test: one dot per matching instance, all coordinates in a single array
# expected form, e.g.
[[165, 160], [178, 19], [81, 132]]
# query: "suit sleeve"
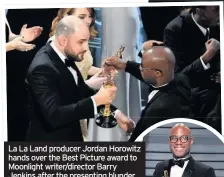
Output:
[[87, 91], [210, 173], [194, 72], [133, 68], [172, 40], [155, 116], [155, 173], [43, 82]]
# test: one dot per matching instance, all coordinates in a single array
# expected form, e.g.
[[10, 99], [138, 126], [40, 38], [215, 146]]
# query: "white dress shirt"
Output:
[[74, 73], [203, 30], [177, 171]]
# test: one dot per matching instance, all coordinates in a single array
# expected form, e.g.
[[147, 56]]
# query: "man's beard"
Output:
[[76, 58]]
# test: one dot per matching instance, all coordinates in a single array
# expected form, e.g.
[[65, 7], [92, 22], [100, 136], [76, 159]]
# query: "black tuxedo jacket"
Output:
[[58, 103], [187, 42], [193, 169], [172, 101]]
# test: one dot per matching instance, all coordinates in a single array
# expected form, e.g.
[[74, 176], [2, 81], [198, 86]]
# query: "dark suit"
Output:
[[159, 108], [187, 42], [58, 102], [193, 169]]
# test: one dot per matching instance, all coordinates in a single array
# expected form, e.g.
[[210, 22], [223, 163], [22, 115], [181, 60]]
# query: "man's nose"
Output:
[[86, 46], [178, 141]]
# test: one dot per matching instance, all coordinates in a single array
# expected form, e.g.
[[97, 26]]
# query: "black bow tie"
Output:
[[179, 163], [69, 62]]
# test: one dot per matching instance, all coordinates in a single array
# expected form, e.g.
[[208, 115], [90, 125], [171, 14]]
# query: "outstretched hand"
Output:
[[30, 34], [124, 122], [114, 62], [18, 44], [216, 77], [96, 81], [148, 44]]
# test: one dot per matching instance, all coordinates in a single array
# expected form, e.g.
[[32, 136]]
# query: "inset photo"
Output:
[[183, 147]]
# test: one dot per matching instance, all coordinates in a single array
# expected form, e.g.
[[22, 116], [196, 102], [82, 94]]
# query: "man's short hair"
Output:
[[63, 28]]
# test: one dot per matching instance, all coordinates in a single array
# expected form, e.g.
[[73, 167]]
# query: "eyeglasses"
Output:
[[183, 139], [147, 68]]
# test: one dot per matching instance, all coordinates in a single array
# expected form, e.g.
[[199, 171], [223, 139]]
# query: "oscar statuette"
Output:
[[106, 117]]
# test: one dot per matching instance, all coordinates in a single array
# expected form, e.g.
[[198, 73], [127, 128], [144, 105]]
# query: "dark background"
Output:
[[17, 65]]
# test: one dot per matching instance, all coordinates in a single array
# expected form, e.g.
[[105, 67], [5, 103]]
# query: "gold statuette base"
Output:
[[106, 121]]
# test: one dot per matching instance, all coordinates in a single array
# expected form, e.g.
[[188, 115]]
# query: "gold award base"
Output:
[[106, 116]]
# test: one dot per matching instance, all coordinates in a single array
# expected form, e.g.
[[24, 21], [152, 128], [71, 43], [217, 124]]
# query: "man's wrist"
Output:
[[116, 112], [10, 46], [97, 100], [207, 56]]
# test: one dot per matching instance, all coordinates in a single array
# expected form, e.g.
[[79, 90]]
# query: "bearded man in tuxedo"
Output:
[[60, 97]]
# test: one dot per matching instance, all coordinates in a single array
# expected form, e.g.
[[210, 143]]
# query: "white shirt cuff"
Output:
[[95, 107], [116, 112], [204, 65]]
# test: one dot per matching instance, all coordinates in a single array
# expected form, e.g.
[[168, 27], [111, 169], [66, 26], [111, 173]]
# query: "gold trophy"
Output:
[[106, 117], [166, 174]]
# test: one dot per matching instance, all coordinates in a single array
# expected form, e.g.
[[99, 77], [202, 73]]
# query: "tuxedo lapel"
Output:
[[166, 169], [193, 27], [150, 102], [161, 91], [189, 168]]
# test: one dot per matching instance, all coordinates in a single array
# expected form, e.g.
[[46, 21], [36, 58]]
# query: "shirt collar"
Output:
[[199, 26], [160, 85], [61, 55], [52, 38]]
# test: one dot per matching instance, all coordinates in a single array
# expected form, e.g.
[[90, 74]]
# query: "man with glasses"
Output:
[[169, 94], [182, 163]]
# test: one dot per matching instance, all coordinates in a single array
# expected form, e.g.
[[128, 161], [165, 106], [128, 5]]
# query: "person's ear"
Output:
[[62, 40], [192, 141], [158, 73]]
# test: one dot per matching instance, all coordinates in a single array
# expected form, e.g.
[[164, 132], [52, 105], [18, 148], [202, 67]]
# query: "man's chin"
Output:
[[79, 58], [76, 58], [178, 154]]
